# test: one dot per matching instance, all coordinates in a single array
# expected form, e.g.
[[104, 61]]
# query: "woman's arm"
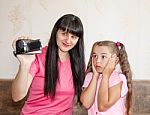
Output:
[[21, 83], [23, 79]]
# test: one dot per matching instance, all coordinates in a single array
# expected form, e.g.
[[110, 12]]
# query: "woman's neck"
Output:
[[63, 55]]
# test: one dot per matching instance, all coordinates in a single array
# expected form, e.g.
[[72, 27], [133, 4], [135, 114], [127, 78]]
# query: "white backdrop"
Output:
[[127, 21]]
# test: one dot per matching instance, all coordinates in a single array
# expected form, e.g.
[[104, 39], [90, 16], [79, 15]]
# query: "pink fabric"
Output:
[[37, 103], [119, 107]]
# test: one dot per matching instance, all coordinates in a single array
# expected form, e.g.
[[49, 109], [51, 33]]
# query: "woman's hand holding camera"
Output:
[[23, 59]]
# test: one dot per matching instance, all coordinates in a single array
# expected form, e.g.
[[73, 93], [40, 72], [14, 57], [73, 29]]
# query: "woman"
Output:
[[54, 76]]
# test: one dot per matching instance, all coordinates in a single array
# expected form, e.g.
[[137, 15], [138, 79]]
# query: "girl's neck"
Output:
[[63, 55]]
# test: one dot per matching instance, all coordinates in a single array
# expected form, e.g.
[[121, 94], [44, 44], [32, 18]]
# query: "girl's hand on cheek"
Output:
[[110, 66], [95, 73]]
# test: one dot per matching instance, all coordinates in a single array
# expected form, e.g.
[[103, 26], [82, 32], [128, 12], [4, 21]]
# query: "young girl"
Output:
[[53, 77], [106, 91]]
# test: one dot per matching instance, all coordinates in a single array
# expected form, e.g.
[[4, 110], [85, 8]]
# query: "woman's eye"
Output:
[[74, 37], [64, 33]]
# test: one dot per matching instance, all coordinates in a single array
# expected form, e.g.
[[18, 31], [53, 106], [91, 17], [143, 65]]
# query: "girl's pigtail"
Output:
[[125, 67]]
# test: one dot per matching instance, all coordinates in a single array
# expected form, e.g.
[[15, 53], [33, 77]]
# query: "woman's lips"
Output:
[[65, 45]]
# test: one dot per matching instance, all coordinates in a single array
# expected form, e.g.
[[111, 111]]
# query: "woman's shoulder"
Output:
[[44, 49], [42, 55]]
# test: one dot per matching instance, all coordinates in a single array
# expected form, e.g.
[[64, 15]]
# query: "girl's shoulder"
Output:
[[117, 77], [120, 75], [117, 73], [89, 74]]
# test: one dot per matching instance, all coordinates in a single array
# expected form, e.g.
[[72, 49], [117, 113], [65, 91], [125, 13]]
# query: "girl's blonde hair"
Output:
[[118, 49]]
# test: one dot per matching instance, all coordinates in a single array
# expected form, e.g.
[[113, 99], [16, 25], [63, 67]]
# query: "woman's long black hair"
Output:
[[71, 24]]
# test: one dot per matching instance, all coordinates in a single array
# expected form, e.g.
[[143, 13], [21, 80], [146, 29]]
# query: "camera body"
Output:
[[28, 46]]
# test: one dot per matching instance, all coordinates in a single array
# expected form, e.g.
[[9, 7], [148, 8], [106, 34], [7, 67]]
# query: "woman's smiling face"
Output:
[[66, 41]]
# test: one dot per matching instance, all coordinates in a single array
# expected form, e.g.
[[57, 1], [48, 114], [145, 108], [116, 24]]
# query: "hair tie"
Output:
[[118, 44]]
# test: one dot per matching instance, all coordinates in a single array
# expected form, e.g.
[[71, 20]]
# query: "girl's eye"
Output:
[[94, 56], [103, 57]]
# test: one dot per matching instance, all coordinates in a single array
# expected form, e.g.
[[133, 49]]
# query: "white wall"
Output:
[[126, 21]]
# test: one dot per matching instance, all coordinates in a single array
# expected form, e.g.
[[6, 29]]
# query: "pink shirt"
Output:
[[119, 107], [37, 103]]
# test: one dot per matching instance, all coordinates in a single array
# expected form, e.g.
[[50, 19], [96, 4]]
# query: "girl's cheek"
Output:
[[94, 62]]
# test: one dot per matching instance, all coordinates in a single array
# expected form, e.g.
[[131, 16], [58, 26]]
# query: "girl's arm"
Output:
[[23, 79], [107, 97], [88, 94]]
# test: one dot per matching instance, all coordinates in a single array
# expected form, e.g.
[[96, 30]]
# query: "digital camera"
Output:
[[28, 46]]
